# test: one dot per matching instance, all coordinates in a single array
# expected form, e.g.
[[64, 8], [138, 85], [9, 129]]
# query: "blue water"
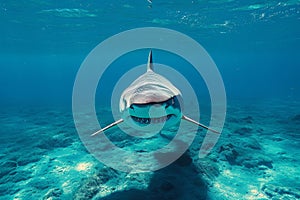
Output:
[[255, 46]]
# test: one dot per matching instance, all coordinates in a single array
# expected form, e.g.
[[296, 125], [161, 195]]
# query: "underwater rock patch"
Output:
[[207, 169], [53, 194], [229, 152], [277, 139], [250, 161], [243, 130], [231, 157], [256, 162], [7, 188], [30, 157], [252, 144], [54, 142], [93, 184], [279, 192], [40, 183], [6, 167], [242, 157], [260, 130], [247, 119], [232, 120], [265, 162], [20, 176]]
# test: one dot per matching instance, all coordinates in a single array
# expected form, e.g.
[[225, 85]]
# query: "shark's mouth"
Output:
[[151, 120]]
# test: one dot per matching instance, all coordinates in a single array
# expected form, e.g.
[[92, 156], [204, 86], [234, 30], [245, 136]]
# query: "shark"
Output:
[[150, 103]]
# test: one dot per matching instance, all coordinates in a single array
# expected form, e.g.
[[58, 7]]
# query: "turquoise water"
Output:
[[255, 46]]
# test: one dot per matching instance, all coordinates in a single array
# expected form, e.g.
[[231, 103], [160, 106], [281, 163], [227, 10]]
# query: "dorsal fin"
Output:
[[150, 63]]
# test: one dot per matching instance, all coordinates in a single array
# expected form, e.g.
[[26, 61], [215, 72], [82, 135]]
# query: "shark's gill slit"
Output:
[[150, 100]]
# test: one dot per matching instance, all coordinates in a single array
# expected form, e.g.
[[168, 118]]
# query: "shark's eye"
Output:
[[131, 106]]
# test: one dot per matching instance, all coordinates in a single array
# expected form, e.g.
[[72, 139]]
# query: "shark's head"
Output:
[[151, 102]]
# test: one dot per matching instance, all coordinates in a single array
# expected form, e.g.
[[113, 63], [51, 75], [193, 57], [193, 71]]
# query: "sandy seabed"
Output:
[[257, 157]]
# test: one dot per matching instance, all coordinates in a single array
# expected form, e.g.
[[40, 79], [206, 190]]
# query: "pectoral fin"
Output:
[[199, 124], [109, 126]]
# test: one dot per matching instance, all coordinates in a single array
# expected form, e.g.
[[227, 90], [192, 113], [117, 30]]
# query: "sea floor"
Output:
[[257, 157]]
